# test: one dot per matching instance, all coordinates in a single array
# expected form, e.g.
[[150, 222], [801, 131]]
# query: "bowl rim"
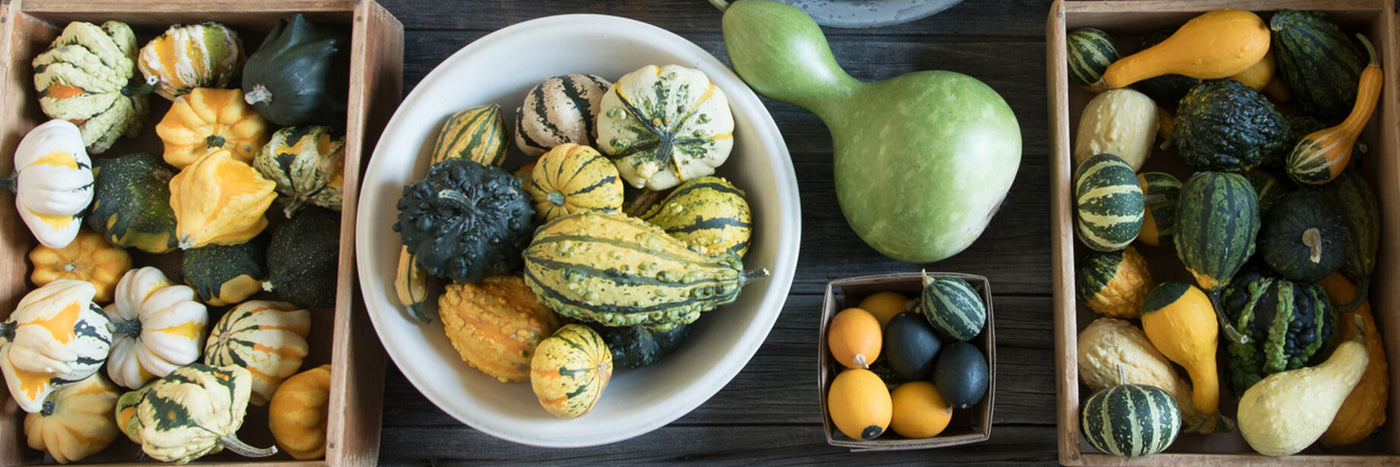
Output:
[[782, 270]]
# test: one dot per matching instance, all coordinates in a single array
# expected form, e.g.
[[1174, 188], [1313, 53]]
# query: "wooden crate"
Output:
[[970, 425], [1128, 21], [342, 335]]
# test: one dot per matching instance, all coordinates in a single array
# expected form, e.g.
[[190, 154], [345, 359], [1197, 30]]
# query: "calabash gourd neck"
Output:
[[782, 54]]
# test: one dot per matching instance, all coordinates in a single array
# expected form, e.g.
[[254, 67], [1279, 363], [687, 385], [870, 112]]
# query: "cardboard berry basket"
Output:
[[341, 335], [1127, 22]]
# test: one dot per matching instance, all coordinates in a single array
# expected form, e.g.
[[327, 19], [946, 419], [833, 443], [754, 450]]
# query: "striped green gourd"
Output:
[[562, 109], [1217, 221], [708, 213], [1113, 283], [1363, 219], [1090, 52], [1159, 192], [477, 133], [1130, 420], [1319, 62], [1266, 188], [1108, 203], [952, 306], [193, 411], [621, 271]]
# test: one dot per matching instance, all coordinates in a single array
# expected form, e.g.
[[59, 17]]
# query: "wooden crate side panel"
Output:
[[1066, 367], [1385, 288], [163, 13]]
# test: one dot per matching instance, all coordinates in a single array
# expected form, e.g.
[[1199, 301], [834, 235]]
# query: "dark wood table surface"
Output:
[[769, 413]]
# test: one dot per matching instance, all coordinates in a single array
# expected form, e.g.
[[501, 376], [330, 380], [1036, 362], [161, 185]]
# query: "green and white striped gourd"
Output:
[[562, 109], [1108, 203], [1217, 222], [1090, 52], [707, 213], [308, 165], [621, 271], [1130, 420], [1160, 191], [193, 411], [952, 306], [1363, 219], [477, 133]]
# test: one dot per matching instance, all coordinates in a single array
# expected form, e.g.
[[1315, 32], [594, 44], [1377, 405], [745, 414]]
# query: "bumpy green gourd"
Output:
[[465, 220], [1288, 324], [620, 271]]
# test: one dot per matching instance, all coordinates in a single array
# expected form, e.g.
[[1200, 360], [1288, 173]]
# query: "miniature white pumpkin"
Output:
[[52, 182], [665, 125], [157, 326]]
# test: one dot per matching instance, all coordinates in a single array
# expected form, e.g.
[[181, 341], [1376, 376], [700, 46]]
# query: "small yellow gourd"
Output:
[[1180, 321], [88, 258], [859, 404], [1365, 407], [207, 119], [219, 200], [854, 337], [297, 414], [1215, 45], [570, 370], [76, 421]]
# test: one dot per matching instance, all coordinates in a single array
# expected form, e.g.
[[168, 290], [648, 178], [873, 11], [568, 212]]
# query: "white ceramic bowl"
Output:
[[500, 68]]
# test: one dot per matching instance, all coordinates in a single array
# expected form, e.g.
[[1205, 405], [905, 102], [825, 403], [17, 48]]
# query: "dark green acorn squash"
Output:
[[301, 74], [1288, 324], [1363, 220], [131, 202], [225, 275], [465, 220], [1166, 90], [1305, 237], [303, 258], [1319, 62], [638, 346], [1224, 125]]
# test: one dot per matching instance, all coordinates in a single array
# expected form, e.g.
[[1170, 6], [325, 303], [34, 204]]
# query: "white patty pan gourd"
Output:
[[54, 338], [85, 77], [52, 182], [665, 125], [157, 326], [265, 337]]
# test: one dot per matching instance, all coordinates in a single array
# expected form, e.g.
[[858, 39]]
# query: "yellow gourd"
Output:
[[1180, 321], [854, 338], [76, 421], [1364, 408], [207, 119], [1217, 44], [496, 325], [219, 200], [88, 258], [297, 414], [1260, 74], [859, 404]]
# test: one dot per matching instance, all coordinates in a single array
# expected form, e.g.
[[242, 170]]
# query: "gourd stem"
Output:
[[1312, 238], [7, 331], [1225, 326], [721, 4], [642, 203], [259, 94], [456, 197], [139, 86], [1363, 288], [9, 181], [750, 276], [131, 328], [243, 449], [294, 206]]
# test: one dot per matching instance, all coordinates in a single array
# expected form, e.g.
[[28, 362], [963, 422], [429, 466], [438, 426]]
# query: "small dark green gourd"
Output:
[[1319, 62], [1305, 237], [303, 257], [300, 74], [131, 202], [639, 346], [225, 275], [465, 221]]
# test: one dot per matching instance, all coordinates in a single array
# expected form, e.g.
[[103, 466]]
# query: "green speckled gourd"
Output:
[[1217, 221], [308, 165], [952, 306], [131, 202], [1289, 324], [194, 411], [621, 271], [1108, 203], [465, 220], [225, 275], [1363, 220], [1224, 125], [1306, 237], [707, 213], [303, 256]]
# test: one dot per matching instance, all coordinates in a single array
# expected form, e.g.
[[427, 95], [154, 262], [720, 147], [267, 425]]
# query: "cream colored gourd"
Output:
[[157, 326], [1218, 44], [76, 421], [1122, 122], [52, 182], [55, 337], [1110, 346], [1285, 412], [665, 125]]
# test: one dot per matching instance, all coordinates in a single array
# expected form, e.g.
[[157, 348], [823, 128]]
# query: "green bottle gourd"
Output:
[[922, 160]]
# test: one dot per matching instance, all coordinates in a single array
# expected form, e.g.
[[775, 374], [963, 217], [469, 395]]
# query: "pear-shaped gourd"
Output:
[[922, 160]]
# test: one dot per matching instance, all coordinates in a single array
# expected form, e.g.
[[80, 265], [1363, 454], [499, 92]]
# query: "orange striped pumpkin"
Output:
[[570, 371], [156, 326], [265, 337]]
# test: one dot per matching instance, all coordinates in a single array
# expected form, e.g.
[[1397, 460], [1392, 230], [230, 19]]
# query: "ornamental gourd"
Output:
[[1089, 52], [1217, 221], [496, 325], [1160, 191], [1122, 122], [708, 213], [308, 165], [157, 326], [477, 133], [1321, 156], [219, 200], [88, 258], [952, 306], [1130, 420], [638, 346], [298, 412], [571, 178], [562, 109], [620, 271], [76, 421], [1180, 322], [1114, 351], [1114, 283], [1214, 45], [300, 74], [1364, 409], [1306, 238], [1319, 62], [206, 120], [1361, 210], [570, 369], [194, 411], [303, 257], [88, 77], [465, 220], [55, 337], [131, 202], [52, 182], [185, 57], [665, 125], [267, 338], [225, 275], [1108, 203], [1289, 324]]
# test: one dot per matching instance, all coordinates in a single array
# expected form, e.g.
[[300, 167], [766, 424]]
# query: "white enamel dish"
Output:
[[500, 68]]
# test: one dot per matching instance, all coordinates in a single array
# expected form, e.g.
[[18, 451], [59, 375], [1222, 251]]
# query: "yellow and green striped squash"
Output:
[[85, 78], [184, 57], [707, 213], [1159, 194], [573, 178], [76, 421], [266, 338], [476, 133], [570, 369], [55, 337], [1108, 203]]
